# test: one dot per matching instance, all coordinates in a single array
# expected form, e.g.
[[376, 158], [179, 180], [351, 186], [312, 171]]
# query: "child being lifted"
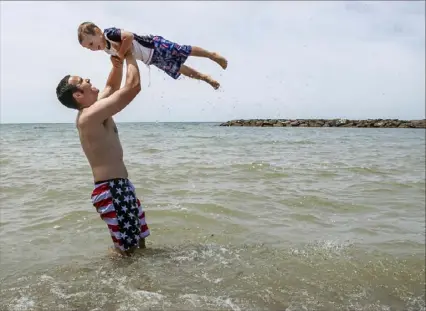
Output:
[[166, 55]]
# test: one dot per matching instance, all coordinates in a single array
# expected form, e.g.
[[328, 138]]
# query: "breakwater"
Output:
[[368, 123]]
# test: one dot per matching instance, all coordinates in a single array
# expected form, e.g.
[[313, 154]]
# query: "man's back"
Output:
[[102, 147]]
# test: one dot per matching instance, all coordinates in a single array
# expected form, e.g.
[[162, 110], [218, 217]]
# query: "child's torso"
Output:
[[142, 47]]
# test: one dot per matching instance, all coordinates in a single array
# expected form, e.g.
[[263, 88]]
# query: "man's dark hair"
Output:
[[64, 92], [86, 28]]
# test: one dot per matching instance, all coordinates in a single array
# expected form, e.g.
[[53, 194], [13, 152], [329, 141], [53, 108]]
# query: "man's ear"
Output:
[[77, 95]]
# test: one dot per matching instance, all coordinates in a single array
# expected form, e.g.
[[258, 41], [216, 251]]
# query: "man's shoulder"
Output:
[[80, 119], [84, 118]]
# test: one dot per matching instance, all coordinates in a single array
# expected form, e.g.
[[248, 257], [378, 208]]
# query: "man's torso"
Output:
[[102, 147]]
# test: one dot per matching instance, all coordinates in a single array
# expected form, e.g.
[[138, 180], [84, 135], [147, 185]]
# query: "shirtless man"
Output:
[[113, 196]]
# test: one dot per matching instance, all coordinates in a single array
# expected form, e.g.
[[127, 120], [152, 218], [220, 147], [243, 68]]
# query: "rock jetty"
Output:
[[370, 123]]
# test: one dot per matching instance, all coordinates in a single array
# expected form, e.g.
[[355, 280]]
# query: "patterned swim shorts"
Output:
[[169, 56], [116, 202]]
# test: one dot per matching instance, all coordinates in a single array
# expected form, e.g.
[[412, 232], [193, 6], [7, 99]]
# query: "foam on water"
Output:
[[326, 275]]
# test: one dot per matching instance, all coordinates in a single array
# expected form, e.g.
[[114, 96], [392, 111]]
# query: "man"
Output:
[[113, 196]]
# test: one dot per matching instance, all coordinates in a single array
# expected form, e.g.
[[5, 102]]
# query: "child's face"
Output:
[[94, 42]]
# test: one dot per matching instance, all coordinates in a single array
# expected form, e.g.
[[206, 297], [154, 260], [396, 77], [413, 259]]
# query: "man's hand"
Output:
[[116, 62]]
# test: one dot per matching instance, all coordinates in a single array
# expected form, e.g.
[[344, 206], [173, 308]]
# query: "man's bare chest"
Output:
[[110, 127]]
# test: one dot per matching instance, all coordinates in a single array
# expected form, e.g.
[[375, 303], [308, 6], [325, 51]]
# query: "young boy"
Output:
[[151, 50]]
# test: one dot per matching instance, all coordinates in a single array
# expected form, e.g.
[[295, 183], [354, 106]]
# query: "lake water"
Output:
[[241, 218]]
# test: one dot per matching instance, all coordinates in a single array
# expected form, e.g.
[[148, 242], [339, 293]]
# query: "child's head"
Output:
[[91, 37]]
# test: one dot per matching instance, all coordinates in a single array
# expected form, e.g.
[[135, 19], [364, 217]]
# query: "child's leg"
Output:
[[192, 73], [200, 52]]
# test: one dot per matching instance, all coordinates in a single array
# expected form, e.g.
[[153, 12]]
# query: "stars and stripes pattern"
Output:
[[116, 202], [169, 56]]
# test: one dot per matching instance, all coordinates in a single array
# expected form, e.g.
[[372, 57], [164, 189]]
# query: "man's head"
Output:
[[76, 93], [91, 37]]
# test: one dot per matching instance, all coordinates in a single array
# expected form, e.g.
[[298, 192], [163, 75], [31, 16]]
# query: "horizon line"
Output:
[[7, 123]]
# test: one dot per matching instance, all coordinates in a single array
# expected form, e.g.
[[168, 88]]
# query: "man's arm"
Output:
[[107, 107], [114, 79]]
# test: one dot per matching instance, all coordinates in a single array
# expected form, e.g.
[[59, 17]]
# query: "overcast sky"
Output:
[[286, 59]]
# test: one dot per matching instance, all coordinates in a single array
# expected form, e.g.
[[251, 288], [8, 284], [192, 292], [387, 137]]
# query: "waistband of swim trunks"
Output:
[[108, 180]]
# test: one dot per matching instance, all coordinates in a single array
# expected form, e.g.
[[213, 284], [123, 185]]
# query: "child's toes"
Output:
[[215, 85], [223, 63]]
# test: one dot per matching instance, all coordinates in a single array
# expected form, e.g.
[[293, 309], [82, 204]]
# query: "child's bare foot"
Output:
[[220, 60], [213, 83]]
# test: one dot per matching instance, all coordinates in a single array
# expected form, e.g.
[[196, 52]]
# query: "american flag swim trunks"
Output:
[[116, 202]]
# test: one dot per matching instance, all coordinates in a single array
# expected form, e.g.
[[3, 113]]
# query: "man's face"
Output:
[[94, 42], [87, 93]]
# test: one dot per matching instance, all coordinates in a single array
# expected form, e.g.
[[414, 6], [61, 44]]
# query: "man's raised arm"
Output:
[[107, 107], [114, 79]]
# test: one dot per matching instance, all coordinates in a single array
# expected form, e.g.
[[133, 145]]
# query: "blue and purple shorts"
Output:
[[169, 56]]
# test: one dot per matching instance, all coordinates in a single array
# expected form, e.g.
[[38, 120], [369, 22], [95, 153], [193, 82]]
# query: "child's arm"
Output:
[[126, 43], [121, 36]]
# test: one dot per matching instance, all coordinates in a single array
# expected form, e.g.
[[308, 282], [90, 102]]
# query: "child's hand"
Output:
[[118, 55], [121, 54]]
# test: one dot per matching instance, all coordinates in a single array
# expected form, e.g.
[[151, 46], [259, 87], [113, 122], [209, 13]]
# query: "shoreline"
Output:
[[362, 123]]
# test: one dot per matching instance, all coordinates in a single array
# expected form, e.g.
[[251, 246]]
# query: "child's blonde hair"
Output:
[[86, 28]]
